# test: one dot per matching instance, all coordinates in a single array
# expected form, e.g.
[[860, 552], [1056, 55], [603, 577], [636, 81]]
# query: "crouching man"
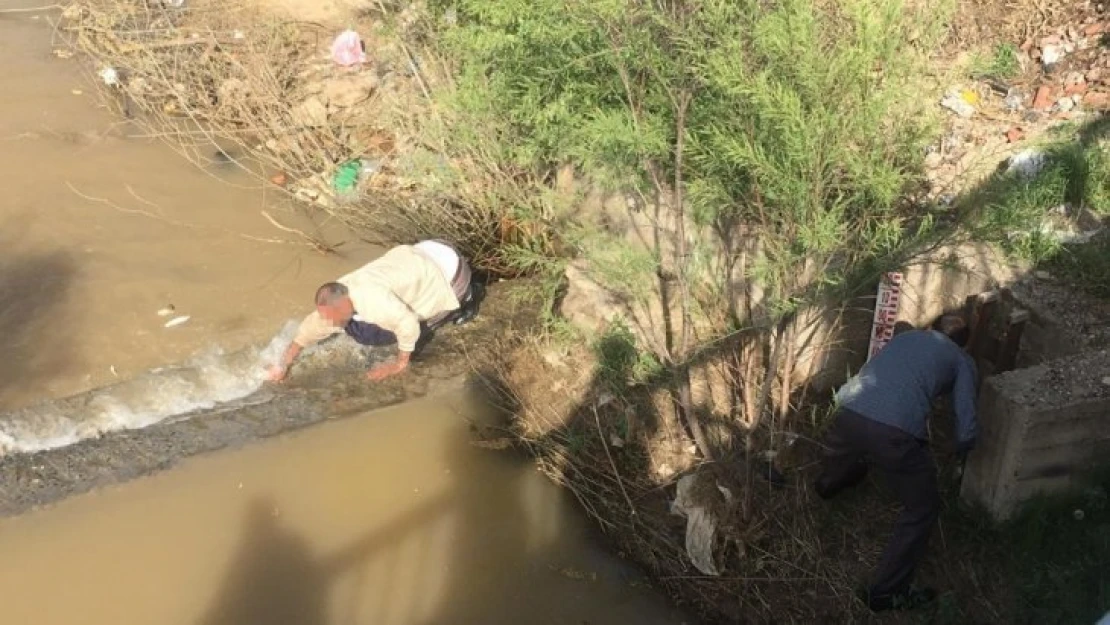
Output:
[[397, 298], [881, 422]]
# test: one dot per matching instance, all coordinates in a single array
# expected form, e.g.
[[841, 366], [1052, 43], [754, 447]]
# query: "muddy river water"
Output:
[[387, 518]]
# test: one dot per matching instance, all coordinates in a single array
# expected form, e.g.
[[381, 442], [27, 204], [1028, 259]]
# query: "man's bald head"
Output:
[[334, 303], [330, 294]]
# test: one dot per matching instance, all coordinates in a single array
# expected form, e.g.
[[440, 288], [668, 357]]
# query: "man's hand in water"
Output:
[[389, 369], [276, 373]]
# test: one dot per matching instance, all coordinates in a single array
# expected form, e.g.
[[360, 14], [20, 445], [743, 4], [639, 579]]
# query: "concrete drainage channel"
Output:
[[1045, 413]]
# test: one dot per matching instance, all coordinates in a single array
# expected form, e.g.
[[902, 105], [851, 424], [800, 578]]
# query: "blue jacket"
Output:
[[898, 385]]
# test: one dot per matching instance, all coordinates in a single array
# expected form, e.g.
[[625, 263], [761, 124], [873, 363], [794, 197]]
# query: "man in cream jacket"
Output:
[[396, 298]]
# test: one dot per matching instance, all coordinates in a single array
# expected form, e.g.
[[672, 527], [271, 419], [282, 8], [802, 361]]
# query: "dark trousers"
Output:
[[854, 443], [373, 335]]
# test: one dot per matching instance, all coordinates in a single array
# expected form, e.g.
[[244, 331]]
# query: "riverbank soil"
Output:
[[782, 554]]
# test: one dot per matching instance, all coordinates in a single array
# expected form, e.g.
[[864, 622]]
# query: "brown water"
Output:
[[82, 278], [387, 519]]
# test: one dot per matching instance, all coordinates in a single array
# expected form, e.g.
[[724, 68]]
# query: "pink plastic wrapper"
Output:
[[346, 50]]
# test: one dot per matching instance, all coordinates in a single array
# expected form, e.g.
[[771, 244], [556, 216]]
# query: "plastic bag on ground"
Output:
[[701, 527], [346, 50]]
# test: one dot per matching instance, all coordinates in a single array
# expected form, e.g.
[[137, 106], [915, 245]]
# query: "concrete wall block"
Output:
[[1072, 426], [1041, 428], [988, 476]]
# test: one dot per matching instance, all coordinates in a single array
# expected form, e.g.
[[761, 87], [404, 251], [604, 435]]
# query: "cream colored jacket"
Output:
[[395, 292]]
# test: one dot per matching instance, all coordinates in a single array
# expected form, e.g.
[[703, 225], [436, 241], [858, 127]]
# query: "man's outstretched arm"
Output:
[[964, 393]]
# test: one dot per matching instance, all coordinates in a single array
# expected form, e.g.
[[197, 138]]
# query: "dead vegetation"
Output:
[[226, 81]]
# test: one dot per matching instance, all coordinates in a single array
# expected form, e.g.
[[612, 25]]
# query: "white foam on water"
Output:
[[210, 379]]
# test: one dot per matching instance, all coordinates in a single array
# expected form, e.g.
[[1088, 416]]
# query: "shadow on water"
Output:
[[34, 334], [484, 552]]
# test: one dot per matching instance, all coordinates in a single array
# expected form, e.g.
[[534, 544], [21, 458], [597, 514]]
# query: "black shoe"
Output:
[[911, 599], [469, 310]]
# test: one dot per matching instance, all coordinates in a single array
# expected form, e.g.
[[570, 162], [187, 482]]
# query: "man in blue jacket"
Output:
[[881, 422]]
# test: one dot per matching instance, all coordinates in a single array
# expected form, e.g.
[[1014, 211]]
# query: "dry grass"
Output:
[[227, 81]]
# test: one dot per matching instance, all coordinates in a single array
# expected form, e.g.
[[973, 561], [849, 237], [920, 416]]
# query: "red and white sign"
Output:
[[886, 312]]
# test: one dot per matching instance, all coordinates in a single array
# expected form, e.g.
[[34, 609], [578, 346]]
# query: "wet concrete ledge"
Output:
[[321, 388]]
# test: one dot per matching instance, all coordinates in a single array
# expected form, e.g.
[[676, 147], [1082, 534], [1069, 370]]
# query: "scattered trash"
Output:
[[109, 76], [347, 49], [701, 526], [1051, 55], [604, 399], [1063, 105], [1042, 275], [959, 104], [1015, 134], [238, 35], [1027, 163], [77, 92], [1078, 514], [1015, 101], [176, 321], [345, 182], [62, 53], [166, 311], [1106, 381], [369, 168], [112, 368], [174, 4], [616, 441]]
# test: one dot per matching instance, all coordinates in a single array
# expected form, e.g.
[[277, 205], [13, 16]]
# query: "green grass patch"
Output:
[[1060, 556], [1000, 62], [1086, 266]]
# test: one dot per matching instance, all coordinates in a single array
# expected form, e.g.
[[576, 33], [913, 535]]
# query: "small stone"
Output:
[[1106, 380], [1079, 515], [616, 441], [1043, 99], [1014, 101], [1015, 134], [933, 160], [1063, 105], [1042, 275], [279, 179]]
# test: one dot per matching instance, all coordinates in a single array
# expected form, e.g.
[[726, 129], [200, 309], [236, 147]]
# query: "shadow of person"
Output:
[[489, 560], [273, 579]]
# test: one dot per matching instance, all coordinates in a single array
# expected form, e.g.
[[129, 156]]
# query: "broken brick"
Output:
[[1095, 29], [1097, 100], [1076, 89], [1015, 134], [1044, 98]]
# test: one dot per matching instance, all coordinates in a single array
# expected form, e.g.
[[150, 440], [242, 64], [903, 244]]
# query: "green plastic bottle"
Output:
[[346, 178]]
